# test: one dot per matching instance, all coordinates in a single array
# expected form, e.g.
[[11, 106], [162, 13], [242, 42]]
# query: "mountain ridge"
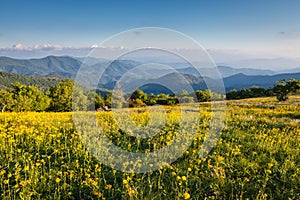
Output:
[[44, 82], [67, 67], [60, 65]]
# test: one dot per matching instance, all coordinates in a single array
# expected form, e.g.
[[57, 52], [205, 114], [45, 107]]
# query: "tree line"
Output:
[[58, 98], [67, 96], [281, 90]]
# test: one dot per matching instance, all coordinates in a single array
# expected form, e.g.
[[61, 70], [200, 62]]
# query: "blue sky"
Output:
[[266, 27]]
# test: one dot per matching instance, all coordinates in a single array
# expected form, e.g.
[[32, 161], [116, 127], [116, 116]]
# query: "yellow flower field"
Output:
[[257, 156]]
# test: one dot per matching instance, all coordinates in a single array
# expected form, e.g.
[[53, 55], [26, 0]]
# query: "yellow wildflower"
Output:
[[270, 165], [131, 192], [268, 171], [186, 195], [2, 172], [98, 194], [26, 168], [57, 180], [108, 186]]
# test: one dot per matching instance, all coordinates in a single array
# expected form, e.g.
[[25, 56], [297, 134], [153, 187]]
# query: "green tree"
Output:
[[232, 94], [165, 99], [136, 103], [283, 88], [79, 100], [252, 92], [28, 98], [184, 93], [139, 94], [6, 100], [99, 101], [138, 98], [108, 98], [62, 95], [95, 101], [185, 97], [203, 96], [41, 101], [118, 100], [151, 100]]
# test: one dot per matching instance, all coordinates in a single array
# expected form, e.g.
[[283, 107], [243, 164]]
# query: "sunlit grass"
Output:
[[257, 156]]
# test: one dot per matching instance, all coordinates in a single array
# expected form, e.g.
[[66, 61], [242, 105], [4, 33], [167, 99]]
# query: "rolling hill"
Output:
[[225, 71], [177, 82], [240, 81], [68, 66], [56, 65], [49, 70], [43, 82]]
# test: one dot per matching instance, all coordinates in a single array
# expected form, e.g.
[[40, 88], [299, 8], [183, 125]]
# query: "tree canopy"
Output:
[[66, 96], [283, 88]]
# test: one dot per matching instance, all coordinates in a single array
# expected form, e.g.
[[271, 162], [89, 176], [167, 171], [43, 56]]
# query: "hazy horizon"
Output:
[[256, 34]]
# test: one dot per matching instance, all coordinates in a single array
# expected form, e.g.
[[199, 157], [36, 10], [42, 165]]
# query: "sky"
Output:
[[230, 30]]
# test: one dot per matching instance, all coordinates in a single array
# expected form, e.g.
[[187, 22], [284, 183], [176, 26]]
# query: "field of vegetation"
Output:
[[256, 157]]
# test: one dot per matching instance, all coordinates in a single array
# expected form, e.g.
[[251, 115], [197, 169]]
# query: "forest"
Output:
[[66, 96]]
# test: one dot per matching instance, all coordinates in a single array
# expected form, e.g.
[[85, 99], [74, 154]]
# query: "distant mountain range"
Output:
[[294, 70], [241, 81], [226, 71], [178, 82], [54, 68], [68, 66], [64, 66]]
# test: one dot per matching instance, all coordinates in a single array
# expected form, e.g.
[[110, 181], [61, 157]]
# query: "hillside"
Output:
[[58, 65], [68, 66], [134, 74], [225, 71], [44, 82], [240, 81], [178, 82]]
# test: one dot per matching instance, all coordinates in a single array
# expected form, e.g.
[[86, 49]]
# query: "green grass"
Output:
[[256, 157]]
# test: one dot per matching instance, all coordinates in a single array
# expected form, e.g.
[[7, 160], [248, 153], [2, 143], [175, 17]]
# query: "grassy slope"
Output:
[[256, 157]]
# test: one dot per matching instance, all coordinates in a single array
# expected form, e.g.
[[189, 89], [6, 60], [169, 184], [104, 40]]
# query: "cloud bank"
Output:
[[227, 57]]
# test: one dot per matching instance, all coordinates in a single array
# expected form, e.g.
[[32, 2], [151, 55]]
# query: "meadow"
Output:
[[256, 157]]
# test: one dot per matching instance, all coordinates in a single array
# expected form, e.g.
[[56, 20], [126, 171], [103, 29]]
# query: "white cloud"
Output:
[[38, 51], [35, 47], [48, 47], [20, 47], [231, 57]]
